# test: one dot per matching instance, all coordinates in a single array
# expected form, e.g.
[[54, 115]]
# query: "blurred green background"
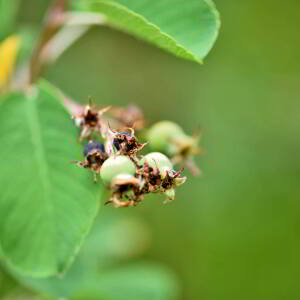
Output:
[[233, 233]]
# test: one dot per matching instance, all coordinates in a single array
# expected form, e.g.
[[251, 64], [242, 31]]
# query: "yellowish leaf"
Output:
[[8, 54]]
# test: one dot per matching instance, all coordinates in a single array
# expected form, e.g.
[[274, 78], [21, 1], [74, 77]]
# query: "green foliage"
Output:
[[47, 205], [95, 274], [187, 29], [134, 282]]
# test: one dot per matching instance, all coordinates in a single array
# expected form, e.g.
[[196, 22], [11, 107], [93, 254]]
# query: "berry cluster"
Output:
[[114, 154]]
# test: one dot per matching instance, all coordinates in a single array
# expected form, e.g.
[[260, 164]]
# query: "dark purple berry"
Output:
[[93, 146]]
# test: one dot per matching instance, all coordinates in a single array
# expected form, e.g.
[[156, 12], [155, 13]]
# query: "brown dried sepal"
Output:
[[93, 161], [172, 179], [128, 144], [125, 187], [155, 181], [125, 143], [90, 120], [151, 178]]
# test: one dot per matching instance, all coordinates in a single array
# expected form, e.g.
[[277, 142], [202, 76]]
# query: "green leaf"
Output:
[[135, 282], [47, 205], [186, 28], [96, 272], [138, 281]]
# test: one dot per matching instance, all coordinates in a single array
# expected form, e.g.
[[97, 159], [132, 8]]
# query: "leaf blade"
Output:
[[41, 229], [100, 267], [141, 280], [187, 29]]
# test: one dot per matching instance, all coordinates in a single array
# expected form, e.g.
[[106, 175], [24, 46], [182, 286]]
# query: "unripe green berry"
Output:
[[157, 160], [163, 136], [116, 165]]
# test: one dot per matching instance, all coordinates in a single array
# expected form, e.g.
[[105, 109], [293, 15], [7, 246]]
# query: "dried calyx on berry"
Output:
[[90, 120], [159, 176], [118, 173], [169, 138], [94, 157], [123, 143]]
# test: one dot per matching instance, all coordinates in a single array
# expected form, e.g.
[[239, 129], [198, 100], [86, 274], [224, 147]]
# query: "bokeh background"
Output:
[[233, 233]]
